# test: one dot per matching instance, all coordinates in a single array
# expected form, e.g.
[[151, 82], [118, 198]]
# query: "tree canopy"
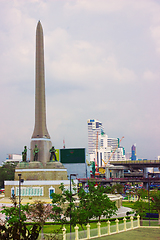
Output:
[[155, 201], [17, 226], [7, 172], [96, 202], [93, 204]]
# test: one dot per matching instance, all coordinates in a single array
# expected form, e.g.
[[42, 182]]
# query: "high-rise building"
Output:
[[128, 155], [101, 148], [95, 129], [133, 151], [113, 142]]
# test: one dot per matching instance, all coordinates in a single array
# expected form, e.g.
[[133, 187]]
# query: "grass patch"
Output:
[[152, 223], [51, 228], [127, 204], [139, 233]]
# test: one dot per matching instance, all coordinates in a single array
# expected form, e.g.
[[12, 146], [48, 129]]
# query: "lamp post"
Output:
[[20, 181], [148, 198], [72, 174]]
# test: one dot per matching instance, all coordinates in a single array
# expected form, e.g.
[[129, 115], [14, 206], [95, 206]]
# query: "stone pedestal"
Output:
[[44, 145], [39, 181], [36, 171]]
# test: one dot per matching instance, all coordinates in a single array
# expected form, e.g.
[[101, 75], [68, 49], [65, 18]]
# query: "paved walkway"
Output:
[[122, 212], [7, 202]]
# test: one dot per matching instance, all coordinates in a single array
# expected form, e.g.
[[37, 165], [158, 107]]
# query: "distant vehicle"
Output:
[[153, 186]]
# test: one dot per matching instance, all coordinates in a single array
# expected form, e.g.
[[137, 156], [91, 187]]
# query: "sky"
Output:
[[102, 61]]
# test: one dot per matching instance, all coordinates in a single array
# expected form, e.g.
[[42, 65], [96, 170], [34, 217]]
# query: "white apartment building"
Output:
[[102, 149], [94, 131], [128, 155], [14, 158]]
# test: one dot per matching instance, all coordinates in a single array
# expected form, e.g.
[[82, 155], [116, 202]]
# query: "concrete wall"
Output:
[[31, 184], [76, 168]]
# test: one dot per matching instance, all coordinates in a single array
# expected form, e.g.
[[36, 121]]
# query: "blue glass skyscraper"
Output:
[[133, 151]]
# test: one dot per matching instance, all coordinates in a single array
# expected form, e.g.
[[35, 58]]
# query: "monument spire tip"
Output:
[[39, 23]]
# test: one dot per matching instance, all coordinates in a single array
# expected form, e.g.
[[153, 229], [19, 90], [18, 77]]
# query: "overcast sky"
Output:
[[102, 61]]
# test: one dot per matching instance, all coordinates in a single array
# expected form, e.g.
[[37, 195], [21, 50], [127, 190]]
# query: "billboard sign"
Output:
[[74, 155]]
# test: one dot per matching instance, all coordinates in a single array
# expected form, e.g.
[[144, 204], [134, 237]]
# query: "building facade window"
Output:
[[101, 142], [51, 190], [12, 191], [30, 191]]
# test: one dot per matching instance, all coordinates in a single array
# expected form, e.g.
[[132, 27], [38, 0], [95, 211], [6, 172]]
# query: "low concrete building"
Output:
[[38, 182]]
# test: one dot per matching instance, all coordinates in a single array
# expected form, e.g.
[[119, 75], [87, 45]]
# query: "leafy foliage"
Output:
[[7, 172], [94, 203], [12, 213], [117, 188], [141, 208], [98, 203], [19, 228], [141, 193], [108, 189], [38, 213], [63, 205], [155, 201]]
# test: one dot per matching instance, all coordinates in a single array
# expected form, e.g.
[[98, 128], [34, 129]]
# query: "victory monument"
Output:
[[42, 176], [40, 135]]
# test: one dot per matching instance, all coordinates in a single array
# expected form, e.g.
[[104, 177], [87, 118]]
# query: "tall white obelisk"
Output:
[[40, 135]]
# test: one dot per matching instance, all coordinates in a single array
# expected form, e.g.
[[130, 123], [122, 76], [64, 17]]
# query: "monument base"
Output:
[[39, 181], [36, 171], [44, 145]]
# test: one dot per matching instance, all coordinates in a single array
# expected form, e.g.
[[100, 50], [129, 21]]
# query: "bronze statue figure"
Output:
[[53, 151], [24, 154], [35, 153]]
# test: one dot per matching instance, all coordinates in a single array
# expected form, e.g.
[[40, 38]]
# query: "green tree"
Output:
[[63, 205], [141, 193], [94, 203], [117, 188], [16, 227], [98, 203], [7, 172], [141, 208], [155, 201], [12, 213], [39, 212], [108, 189]]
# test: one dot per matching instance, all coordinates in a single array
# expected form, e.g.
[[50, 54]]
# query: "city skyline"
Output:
[[104, 65], [101, 148]]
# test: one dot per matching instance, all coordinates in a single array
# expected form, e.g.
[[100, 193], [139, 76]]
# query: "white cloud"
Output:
[[155, 33], [101, 61], [150, 76], [101, 6], [74, 61]]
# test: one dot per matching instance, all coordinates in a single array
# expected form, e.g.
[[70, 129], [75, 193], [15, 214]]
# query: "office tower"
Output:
[[133, 151], [95, 129], [102, 149]]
